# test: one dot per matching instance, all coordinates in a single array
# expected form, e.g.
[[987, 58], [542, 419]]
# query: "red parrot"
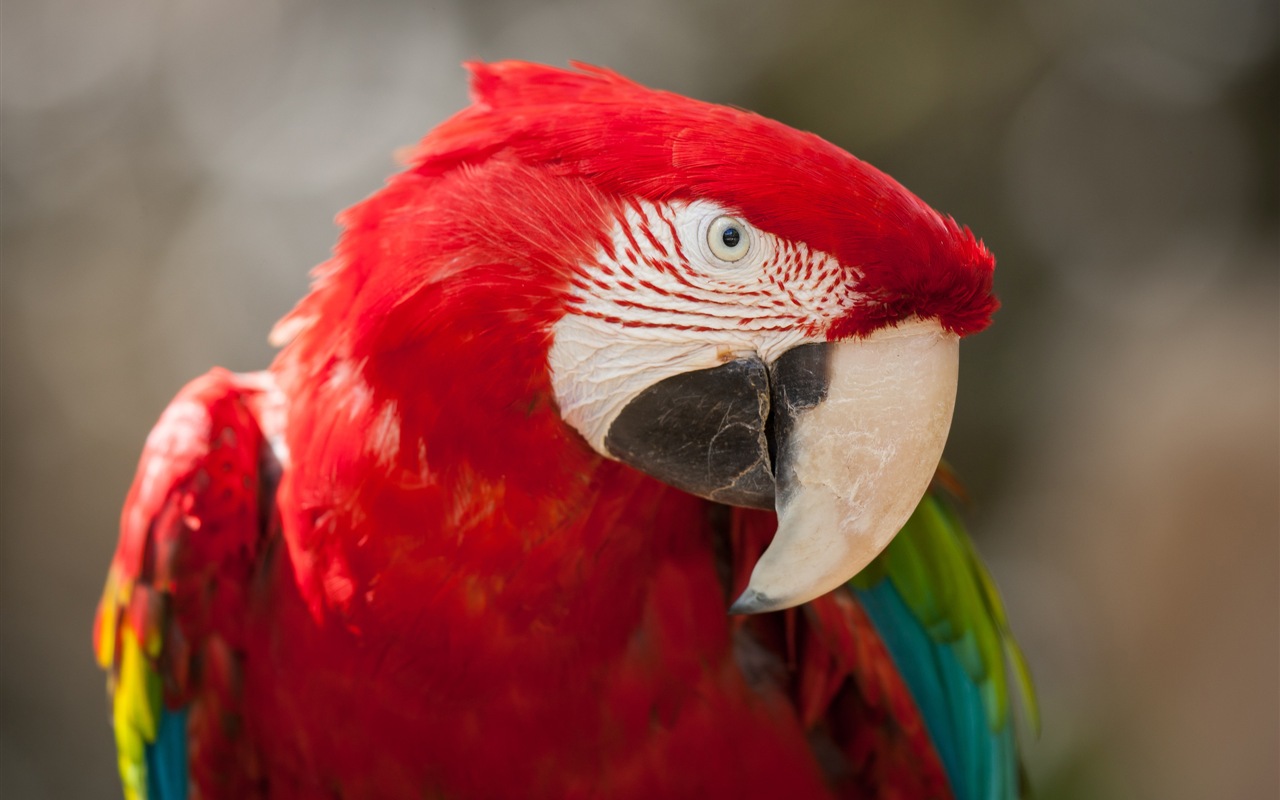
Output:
[[558, 483]]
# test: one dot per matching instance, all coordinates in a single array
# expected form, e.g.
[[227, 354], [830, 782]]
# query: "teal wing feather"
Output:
[[943, 622], [167, 757]]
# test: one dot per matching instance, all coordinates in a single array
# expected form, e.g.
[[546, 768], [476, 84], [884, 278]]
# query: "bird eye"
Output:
[[728, 238]]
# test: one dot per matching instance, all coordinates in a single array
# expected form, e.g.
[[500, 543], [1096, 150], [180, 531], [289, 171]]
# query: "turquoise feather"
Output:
[[167, 758]]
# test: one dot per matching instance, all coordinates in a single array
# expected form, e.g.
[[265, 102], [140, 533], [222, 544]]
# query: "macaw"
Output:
[[578, 475]]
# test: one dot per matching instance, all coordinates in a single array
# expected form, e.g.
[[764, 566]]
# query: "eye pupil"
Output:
[[728, 239]]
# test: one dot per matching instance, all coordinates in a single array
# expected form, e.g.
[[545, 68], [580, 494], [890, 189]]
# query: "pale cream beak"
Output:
[[854, 466]]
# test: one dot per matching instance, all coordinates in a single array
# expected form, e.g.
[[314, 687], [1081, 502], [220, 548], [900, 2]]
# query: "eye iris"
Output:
[[731, 237]]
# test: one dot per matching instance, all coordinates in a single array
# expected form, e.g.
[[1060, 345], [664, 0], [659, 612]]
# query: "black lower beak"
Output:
[[718, 432]]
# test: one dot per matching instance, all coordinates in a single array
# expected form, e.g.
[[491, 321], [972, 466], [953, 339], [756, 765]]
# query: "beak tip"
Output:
[[753, 602]]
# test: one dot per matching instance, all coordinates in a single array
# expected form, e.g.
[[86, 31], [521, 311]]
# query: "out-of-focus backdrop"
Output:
[[170, 171]]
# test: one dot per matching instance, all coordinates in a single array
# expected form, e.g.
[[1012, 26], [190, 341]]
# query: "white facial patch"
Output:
[[658, 301]]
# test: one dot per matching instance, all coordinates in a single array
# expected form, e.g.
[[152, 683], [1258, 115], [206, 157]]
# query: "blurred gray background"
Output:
[[170, 171]]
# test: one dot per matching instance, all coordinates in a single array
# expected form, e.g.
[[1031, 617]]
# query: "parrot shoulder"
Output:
[[170, 624]]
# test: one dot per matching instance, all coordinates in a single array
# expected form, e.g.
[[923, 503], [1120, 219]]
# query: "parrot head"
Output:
[[736, 308]]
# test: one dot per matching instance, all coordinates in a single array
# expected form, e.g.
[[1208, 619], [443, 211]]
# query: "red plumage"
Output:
[[450, 594]]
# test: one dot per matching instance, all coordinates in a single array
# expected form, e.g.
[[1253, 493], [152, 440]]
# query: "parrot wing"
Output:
[[944, 625], [900, 677], [169, 626]]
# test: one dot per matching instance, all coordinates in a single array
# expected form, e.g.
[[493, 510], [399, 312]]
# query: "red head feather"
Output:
[[629, 140]]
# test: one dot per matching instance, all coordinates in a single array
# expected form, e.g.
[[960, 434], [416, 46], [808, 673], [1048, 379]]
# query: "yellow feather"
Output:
[[108, 619], [136, 714]]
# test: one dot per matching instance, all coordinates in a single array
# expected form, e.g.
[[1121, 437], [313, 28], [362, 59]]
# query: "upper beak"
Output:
[[841, 438], [853, 466]]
